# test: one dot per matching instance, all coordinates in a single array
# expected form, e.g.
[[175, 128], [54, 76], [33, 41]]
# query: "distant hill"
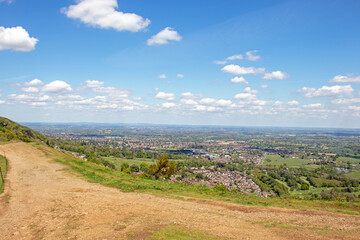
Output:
[[10, 130]]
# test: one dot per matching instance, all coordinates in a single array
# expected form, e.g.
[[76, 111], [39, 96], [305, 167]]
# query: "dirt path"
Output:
[[48, 203]]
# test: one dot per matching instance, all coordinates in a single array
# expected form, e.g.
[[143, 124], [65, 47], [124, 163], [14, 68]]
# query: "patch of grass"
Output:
[[3, 171], [348, 159], [355, 174], [180, 233], [276, 160], [137, 161], [127, 183]]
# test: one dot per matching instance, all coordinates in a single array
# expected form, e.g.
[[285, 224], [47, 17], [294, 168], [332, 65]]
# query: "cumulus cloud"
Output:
[[93, 83], [30, 90], [180, 75], [276, 74], [249, 90], [237, 70], [168, 105], [103, 14], [165, 96], [250, 55], [346, 101], [190, 95], [326, 91], [239, 80], [16, 38], [314, 105], [235, 57], [57, 87], [164, 36], [188, 101], [34, 83], [346, 79], [293, 103]]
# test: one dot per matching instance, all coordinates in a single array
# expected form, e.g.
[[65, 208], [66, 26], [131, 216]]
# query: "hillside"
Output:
[[46, 202], [10, 130]]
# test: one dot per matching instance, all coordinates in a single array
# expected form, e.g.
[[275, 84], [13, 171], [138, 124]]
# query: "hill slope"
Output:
[[46, 202], [10, 130]]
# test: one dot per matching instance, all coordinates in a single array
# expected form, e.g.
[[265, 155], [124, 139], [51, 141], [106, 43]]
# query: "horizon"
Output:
[[262, 63]]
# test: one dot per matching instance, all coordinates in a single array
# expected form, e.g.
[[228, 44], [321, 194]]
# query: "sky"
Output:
[[205, 62]]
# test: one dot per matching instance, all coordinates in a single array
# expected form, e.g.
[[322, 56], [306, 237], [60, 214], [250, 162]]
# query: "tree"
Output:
[[163, 168]]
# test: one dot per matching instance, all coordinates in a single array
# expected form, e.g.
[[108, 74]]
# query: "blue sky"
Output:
[[205, 62]]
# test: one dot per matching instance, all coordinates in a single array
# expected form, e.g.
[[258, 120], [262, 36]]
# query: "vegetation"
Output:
[[3, 167], [10, 130]]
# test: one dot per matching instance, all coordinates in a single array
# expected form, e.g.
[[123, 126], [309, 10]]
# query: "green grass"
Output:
[[137, 161], [355, 174], [348, 159], [3, 170], [174, 232], [276, 160]]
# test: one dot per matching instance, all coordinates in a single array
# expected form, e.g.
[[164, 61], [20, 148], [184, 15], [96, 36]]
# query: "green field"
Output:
[[137, 161], [276, 160], [3, 170], [348, 159], [355, 174]]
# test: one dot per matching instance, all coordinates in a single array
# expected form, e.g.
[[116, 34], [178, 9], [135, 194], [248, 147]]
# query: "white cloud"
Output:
[[57, 87], [190, 95], [248, 90], [239, 80], [235, 57], [346, 101], [113, 92], [93, 83], [168, 105], [276, 74], [26, 99], [207, 101], [293, 103], [223, 102], [346, 79], [250, 55], [164, 36], [237, 70], [103, 14], [220, 62], [162, 76], [314, 105], [34, 83], [16, 38], [326, 91], [245, 96], [2, 101], [165, 96], [264, 86], [30, 90], [180, 75], [189, 102]]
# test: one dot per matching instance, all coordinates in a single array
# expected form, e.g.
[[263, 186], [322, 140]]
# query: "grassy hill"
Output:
[[10, 130]]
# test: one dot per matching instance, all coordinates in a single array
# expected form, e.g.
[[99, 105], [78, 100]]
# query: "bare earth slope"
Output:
[[42, 201]]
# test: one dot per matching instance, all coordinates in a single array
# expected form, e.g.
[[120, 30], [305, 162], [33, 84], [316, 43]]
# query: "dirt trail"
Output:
[[48, 203]]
